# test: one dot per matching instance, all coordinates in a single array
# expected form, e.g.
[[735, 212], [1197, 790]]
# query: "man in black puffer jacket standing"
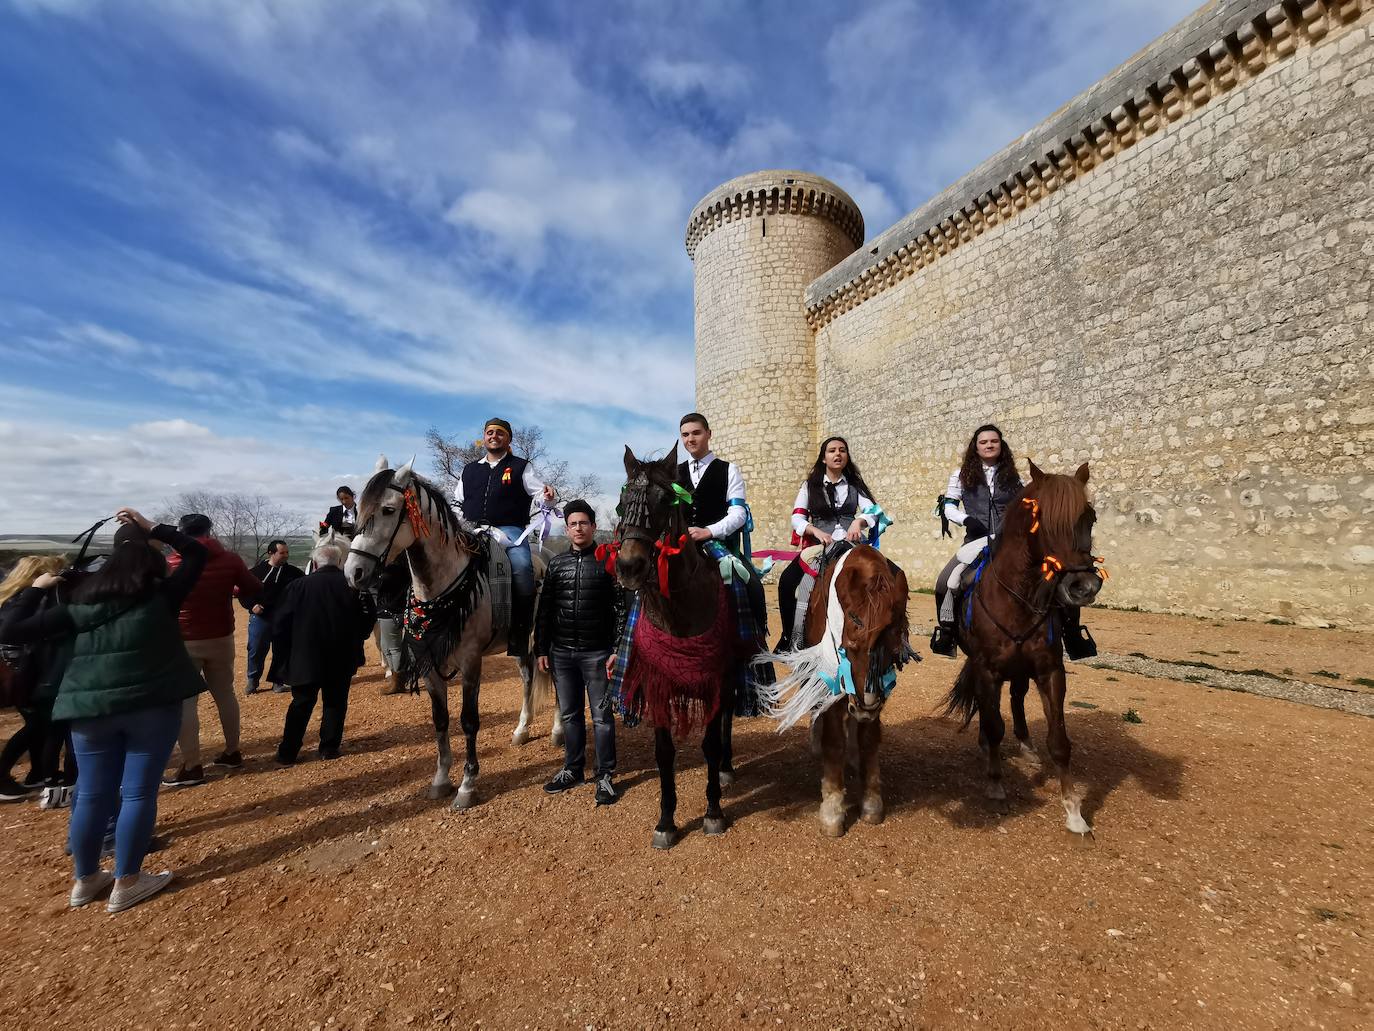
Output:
[[575, 634]]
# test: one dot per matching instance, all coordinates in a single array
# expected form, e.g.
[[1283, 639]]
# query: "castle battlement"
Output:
[[772, 192], [1206, 56]]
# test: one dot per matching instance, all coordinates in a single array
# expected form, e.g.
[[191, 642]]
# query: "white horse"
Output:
[[402, 512]]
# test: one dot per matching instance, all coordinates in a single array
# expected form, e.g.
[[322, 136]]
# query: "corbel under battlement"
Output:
[[770, 193]]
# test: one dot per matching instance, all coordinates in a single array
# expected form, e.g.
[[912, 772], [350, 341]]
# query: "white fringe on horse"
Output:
[[812, 682]]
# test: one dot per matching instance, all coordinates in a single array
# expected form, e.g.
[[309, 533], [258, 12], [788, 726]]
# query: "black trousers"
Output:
[[787, 600], [334, 699]]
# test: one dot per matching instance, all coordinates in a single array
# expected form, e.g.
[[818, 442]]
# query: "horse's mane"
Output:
[[1062, 502], [432, 501]]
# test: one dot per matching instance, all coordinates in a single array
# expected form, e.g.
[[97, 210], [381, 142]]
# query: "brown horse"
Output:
[[685, 652], [854, 640], [1011, 627]]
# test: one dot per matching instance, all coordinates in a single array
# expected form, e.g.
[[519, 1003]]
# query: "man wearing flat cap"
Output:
[[498, 490]]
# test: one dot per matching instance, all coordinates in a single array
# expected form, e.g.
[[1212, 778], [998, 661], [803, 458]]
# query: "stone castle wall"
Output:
[[756, 243], [1171, 278]]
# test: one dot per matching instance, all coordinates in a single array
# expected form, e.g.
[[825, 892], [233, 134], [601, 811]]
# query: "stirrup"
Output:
[[943, 641], [1079, 643]]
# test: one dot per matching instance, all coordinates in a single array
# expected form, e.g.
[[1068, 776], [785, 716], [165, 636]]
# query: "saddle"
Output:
[[494, 564], [817, 557]]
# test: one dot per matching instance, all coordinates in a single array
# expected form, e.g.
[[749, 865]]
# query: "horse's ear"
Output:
[[631, 462], [669, 461], [1036, 474], [403, 474], [1081, 475], [382, 464]]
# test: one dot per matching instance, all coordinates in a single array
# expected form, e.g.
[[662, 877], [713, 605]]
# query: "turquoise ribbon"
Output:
[[881, 521], [748, 548], [843, 680]]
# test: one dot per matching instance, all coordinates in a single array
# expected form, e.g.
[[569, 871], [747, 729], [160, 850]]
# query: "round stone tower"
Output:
[[757, 242]]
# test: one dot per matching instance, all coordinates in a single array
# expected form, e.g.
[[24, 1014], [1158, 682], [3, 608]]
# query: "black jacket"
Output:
[[275, 581], [318, 630], [335, 519], [577, 606]]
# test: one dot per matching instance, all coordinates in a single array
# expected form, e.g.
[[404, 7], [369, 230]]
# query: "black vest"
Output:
[[710, 499], [821, 515], [493, 497], [986, 507]]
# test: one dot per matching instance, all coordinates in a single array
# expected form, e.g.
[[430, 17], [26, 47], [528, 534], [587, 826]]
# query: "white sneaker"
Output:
[[147, 885], [58, 796], [88, 889]]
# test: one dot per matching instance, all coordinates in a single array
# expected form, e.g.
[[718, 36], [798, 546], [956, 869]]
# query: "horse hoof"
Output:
[[437, 791], [872, 813], [520, 737], [1077, 825], [727, 779], [665, 839], [464, 800], [714, 825], [833, 828], [995, 791], [556, 738]]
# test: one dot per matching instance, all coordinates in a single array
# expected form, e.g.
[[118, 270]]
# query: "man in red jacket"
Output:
[[207, 627]]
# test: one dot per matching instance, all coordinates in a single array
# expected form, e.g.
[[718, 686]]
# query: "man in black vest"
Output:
[[719, 510], [497, 490]]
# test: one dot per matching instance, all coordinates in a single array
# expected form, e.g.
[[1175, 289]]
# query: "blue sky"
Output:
[[248, 244]]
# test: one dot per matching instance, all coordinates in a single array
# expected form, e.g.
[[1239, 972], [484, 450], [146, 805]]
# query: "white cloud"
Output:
[[172, 429], [679, 78]]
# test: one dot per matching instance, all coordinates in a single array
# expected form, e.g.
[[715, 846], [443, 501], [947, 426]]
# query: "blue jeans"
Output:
[[120, 763], [259, 641], [521, 564], [579, 678]]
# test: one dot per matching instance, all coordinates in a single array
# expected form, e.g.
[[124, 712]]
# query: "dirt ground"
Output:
[[1229, 883]]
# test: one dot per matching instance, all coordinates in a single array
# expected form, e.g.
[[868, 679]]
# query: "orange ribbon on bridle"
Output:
[[1034, 505], [665, 552], [417, 520]]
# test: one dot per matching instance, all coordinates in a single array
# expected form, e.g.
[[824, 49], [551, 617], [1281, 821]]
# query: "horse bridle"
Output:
[[634, 500], [379, 561]]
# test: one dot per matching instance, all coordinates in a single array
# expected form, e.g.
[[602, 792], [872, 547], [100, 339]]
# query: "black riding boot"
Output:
[[942, 638], [521, 620], [1078, 643]]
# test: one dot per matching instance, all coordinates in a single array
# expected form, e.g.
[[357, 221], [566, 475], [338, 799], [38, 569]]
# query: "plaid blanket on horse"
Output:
[[747, 695]]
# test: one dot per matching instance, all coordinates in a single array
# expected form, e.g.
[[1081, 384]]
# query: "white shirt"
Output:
[[955, 491], [735, 515], [349, 516], [799, 520], [534, 487]]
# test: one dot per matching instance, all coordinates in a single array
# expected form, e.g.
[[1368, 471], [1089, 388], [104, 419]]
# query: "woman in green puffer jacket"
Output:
[[122, 691]]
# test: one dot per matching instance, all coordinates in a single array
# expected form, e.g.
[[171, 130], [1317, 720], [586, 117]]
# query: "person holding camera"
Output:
[[127, 679]]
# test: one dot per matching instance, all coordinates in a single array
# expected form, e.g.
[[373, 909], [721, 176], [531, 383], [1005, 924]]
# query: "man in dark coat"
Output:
[[317, 637], [575, 637], [276, 574]]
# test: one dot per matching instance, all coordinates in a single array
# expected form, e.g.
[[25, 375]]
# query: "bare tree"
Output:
[[243, 522], [450, 454]]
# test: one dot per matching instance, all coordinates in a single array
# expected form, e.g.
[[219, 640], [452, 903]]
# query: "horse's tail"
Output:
[[963, 696], [541, 683]]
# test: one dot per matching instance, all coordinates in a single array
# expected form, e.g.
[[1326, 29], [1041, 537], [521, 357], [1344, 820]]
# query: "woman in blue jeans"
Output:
[[122, 691]]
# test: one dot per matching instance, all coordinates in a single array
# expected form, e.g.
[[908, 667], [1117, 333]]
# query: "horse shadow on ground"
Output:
[[927, 763]]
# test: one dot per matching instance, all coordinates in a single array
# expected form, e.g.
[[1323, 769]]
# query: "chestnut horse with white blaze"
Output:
[[854, 641], [1010, 623], [449, 621]]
